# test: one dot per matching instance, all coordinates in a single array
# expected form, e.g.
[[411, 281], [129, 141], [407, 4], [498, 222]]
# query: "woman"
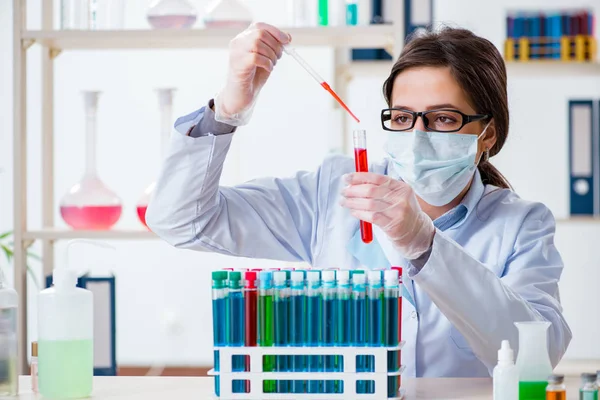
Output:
[[478, 257]]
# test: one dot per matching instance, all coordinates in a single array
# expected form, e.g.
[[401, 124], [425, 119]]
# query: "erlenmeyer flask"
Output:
[[165, 103], [227, 14], [90, 204], [171, 14], [533, 360]]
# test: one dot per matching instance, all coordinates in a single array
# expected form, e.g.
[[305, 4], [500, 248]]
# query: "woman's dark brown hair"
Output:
[[478, 68]]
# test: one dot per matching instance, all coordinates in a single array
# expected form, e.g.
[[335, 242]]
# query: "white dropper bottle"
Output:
[[506, 374]]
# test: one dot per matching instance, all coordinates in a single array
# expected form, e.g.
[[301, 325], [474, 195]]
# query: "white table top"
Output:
[[201, 388]]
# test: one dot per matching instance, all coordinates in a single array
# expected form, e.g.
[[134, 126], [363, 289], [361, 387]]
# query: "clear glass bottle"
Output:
[[74, 14], [171, 14], [227, 14], [589, 389], [533, 360], [165, 103], [107, 14], [556, 390], [90, 204], [9, 375]]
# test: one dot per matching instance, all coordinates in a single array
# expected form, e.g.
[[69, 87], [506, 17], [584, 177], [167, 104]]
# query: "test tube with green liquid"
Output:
[[265, 324]]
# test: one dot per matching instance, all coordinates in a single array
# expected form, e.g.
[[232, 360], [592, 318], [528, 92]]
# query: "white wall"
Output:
[[169, 290]]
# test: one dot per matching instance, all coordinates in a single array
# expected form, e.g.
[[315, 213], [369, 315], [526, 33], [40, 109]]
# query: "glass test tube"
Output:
[[313, 325], [351, 12], [391, 292], [281, 302], [328, 324], [220, 317], [265, 325], [359, 323], [343, 319], [250, 316], [374, 319], [400, 285], [297, 325], [362, 165], [236, 326]]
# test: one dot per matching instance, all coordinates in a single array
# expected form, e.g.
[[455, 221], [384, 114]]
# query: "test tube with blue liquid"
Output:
[[374, 319], [391, 293], [313, 325], [359, 324], [265, 324], [236, 326], [328, 324], [220, 318], [297, 325], [281, 304], [343, 320]]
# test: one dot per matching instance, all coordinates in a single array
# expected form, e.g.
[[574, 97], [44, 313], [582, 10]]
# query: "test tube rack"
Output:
[[349, 376]]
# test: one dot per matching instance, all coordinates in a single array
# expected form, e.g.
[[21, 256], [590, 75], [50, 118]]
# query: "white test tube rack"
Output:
[[256, 376]]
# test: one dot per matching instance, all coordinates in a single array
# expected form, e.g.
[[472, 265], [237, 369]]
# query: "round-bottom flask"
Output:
[[165, 103], [171, 14], [90, 204], [227, 14]]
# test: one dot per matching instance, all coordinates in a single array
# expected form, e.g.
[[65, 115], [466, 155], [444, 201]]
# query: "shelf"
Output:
[[62, 234], [348, 36], [578, 219], [553, 68]]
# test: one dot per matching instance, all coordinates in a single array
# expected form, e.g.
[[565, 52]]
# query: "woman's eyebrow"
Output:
[[432, 107]]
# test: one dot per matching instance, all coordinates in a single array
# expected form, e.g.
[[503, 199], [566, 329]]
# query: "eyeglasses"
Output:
[[444, 120]]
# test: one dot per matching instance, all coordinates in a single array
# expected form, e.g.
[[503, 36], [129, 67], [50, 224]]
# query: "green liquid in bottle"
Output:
[[532, 390], [66, 368], [588, 394]]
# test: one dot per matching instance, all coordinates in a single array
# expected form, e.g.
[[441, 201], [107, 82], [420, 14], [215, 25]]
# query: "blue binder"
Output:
[[105, 340], [582, 156]]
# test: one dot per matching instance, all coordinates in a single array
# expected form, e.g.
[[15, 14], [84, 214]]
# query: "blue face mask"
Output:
[[438, 166]]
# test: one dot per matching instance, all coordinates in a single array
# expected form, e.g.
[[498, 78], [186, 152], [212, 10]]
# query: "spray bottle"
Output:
[[9, 301], [66, 334]]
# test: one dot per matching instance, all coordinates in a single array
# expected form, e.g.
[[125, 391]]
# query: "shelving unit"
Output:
[[53, 42]]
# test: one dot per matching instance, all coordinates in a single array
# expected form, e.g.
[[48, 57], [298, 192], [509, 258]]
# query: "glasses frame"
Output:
[[466, 119]]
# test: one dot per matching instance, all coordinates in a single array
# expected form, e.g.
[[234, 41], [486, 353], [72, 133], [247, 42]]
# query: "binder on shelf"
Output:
[[583, 158], [105, 348], [376, 16]]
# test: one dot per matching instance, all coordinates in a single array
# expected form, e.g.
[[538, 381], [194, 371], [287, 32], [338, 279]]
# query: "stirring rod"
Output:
[[292, 52]]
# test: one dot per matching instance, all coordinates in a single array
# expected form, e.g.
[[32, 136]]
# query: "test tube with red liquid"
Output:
[[362, 165]]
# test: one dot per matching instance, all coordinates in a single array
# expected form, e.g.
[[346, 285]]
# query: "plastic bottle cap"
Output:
[[358, 271], [391, 277], [375, 276], [343, 276], [250, 279], [219, 279], [587, 377], [556, 379], [358, 279], [288, 274], [279, 277], [505, 354], [235, 278], [265, 279], [297, 276], [64, 278], [313, 276], [328, 275]]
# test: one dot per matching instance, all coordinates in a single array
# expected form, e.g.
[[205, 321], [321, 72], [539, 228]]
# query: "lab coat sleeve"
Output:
[[484, 307], [267, 218]]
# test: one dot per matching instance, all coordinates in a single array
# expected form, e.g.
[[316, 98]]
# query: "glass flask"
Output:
[[171, 14], [90, 204], [165, 104], [533, 360], [227, 14]]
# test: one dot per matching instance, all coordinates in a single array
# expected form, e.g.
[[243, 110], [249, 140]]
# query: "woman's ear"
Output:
[[489, 137]]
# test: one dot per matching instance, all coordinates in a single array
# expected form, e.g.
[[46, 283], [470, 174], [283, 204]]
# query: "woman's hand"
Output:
[[391, 205], [252, 56]]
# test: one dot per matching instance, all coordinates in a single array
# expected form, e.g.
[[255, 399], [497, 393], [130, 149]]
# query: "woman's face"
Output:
[[430, 88]]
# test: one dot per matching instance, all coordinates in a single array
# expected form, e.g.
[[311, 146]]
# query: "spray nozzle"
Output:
[[505, 354]]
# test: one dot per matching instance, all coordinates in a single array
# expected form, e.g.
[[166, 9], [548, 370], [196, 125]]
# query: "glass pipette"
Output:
[[292, 52]]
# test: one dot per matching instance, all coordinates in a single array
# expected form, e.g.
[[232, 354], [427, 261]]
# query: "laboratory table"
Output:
[[200, 388]]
